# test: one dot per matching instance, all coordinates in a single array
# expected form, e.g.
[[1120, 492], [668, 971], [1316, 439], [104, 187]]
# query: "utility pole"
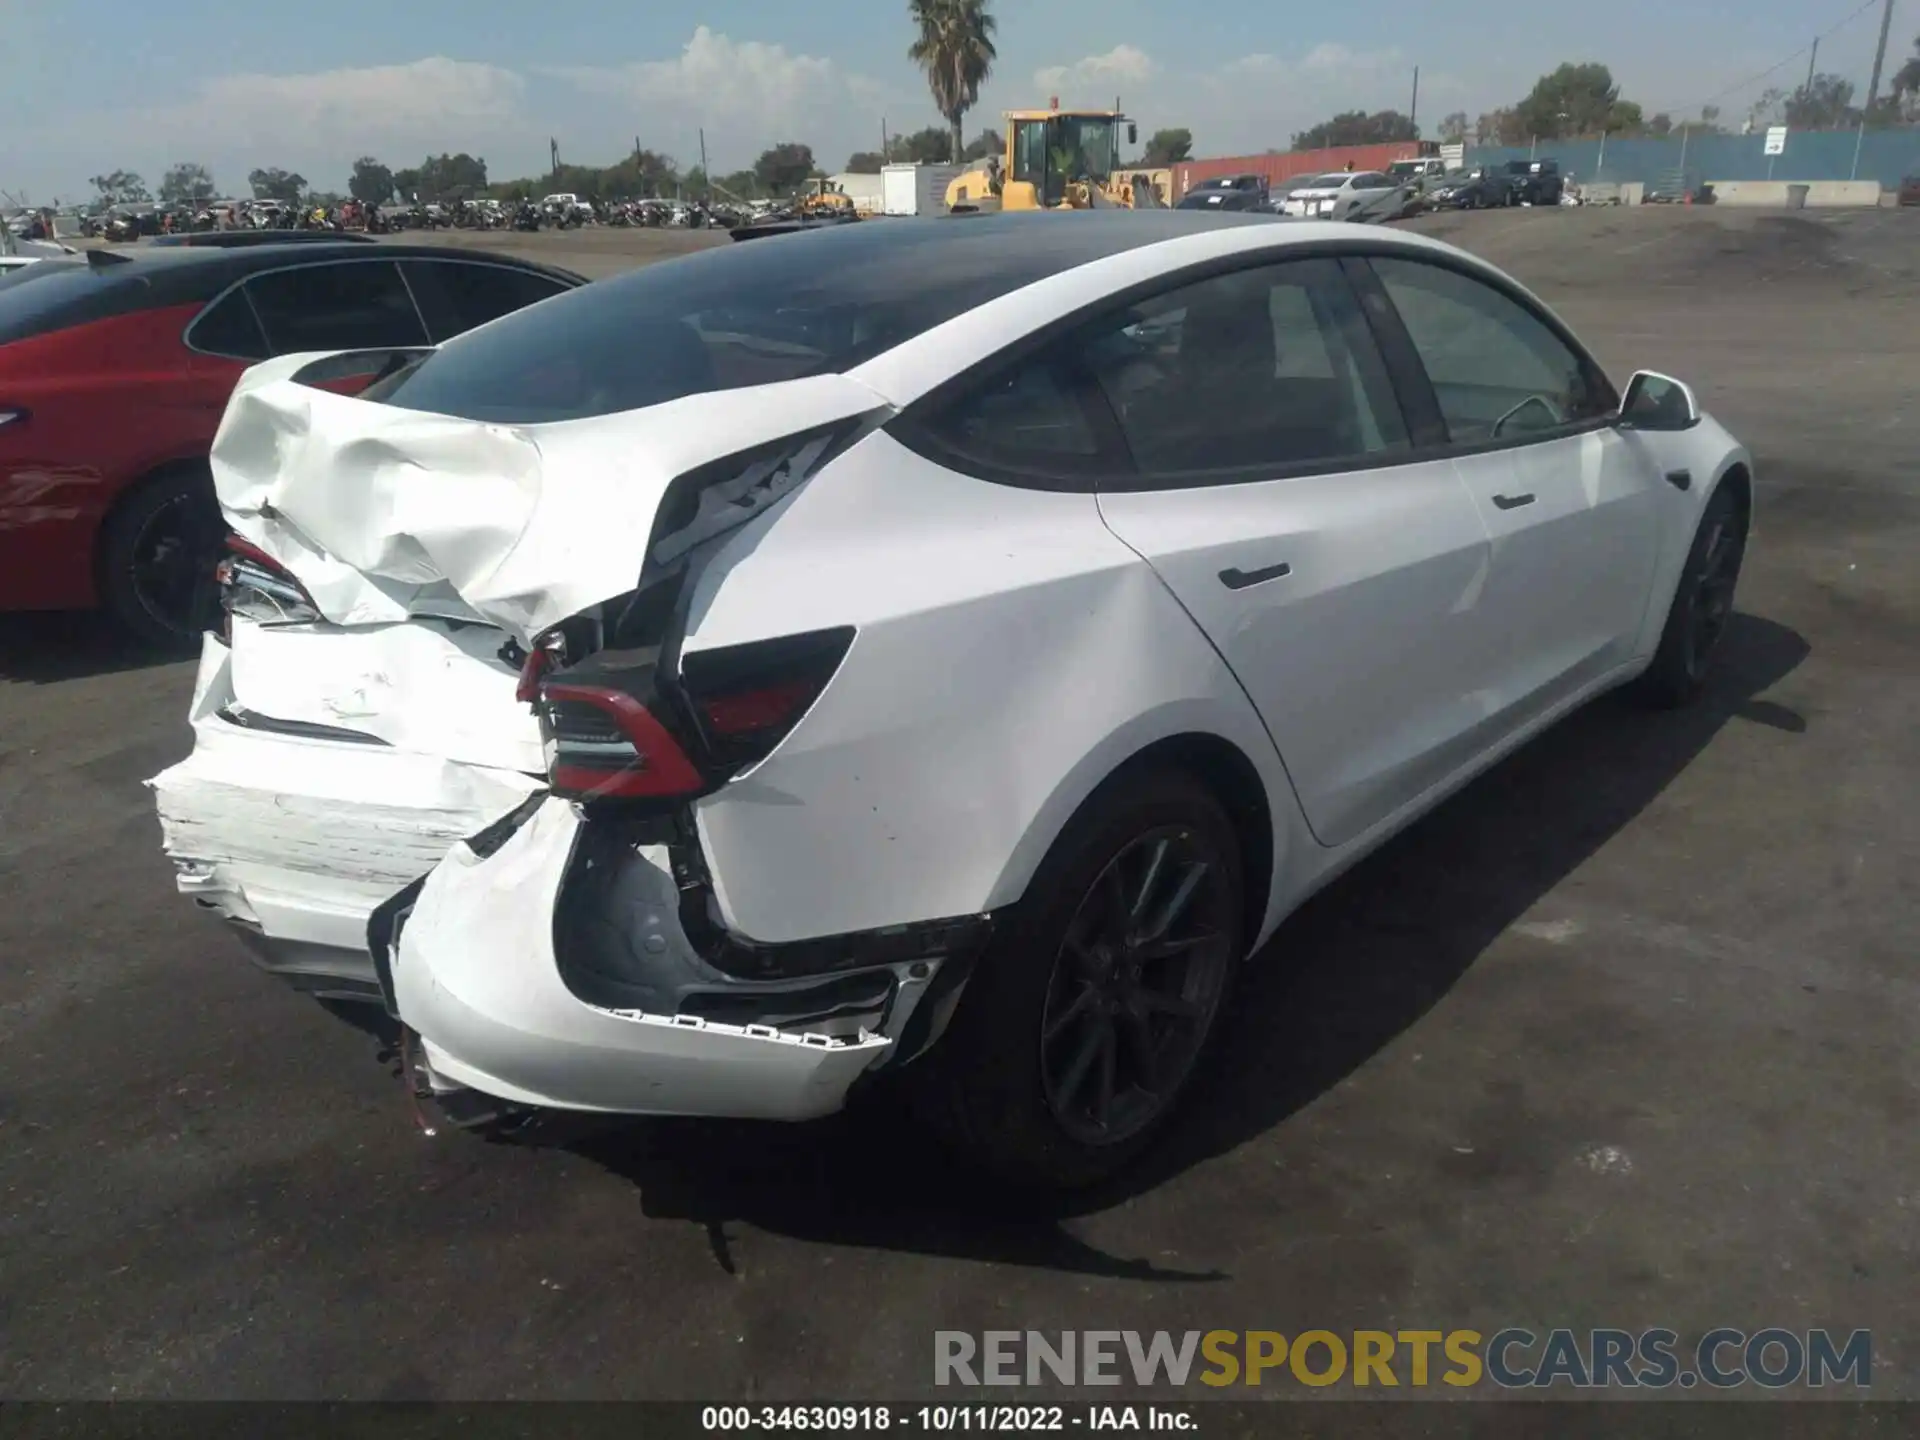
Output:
[[1880, 54], [705, 178], [885, 155], [1806, 92], [1413, 110]]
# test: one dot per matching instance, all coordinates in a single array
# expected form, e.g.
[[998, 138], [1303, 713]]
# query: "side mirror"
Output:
[[1658, 402]]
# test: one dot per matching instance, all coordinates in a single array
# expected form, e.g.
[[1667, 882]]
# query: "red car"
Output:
[[114, 373]]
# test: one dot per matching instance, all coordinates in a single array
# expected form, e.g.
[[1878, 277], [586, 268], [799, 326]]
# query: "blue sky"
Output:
[[98, 84]]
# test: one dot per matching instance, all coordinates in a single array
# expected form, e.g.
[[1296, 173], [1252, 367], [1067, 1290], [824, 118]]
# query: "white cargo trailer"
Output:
[[917, 189]]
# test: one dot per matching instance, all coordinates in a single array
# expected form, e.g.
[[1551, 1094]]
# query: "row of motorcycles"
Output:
[[528, 216]]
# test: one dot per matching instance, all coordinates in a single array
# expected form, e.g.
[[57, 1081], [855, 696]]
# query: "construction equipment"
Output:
[[823, 200], [1060, 160]]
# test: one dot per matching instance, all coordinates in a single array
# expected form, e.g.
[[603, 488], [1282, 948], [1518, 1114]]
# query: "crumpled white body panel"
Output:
[[299, 839], [476, 976], [384, 512]]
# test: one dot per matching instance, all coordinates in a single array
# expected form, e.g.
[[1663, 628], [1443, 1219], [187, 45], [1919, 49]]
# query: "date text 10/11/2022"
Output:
[[946, 1418]]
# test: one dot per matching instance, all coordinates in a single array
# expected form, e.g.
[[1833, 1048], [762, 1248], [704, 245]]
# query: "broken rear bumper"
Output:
[[474, 972], [295, 839]]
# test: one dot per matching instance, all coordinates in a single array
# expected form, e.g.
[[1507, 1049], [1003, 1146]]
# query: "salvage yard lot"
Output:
[[1621, 1036]]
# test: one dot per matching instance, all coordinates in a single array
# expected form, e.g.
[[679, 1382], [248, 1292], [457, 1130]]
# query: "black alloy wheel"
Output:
[[1702, 607], [1135, 986], [158, 552], [1710, 595], [1080, 1026]]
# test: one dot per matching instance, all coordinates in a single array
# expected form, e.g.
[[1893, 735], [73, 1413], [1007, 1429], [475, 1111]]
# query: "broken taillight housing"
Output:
[[615, 728], [744, 699], [257, 587], [603, 744]]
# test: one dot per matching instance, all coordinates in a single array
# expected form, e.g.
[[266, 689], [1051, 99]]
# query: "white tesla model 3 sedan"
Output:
[[948, 646]]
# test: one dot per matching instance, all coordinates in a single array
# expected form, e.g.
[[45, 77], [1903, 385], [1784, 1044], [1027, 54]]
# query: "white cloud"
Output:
[[1095, 79], [314, 123], [746, 94], [374, 103]]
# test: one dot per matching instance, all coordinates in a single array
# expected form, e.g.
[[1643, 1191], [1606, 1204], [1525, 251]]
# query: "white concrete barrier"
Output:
[[1774, 192]]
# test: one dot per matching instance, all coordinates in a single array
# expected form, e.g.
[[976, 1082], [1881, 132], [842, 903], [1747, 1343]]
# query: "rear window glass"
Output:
[[229, 328], [752, 313]]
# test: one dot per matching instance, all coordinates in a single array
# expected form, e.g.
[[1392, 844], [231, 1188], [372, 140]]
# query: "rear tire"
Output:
[[1702, 605], [1085, 1018], [158, 549]]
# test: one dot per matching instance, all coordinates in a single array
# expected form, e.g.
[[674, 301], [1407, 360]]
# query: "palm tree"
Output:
[[955, 48]]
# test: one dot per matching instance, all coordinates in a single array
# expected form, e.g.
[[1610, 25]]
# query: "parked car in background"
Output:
[[1533, 182], [1423, 171], [1910, 190], [1246, 183], [938, 651], [114, 372], [1330, 197], [1225, 198], [1477, 187]]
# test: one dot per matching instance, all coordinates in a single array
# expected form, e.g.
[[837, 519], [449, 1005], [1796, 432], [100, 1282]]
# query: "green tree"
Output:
[[188, 183], [955, 48], [120, 187], [1825, 104], [453, 177], [741, 184], [274, 183], [1905, 83], [1575, 100], [1453, 128], [784, 168], [371, 182], [1499, 127], [1168, 147], [865, 162], [1356, 127], [1767, 109], [406, 184], [1660, 125], [988, 142]]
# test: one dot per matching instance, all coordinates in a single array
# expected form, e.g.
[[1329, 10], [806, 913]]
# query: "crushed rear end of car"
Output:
[[447, 753]]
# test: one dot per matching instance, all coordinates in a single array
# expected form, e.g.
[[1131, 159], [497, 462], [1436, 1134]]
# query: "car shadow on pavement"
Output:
[[1352, 969], [45, 647]]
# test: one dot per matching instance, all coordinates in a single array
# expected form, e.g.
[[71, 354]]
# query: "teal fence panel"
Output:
[[1882, 155]]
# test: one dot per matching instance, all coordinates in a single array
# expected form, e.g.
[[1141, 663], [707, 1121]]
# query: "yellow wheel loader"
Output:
[[1061, 160]]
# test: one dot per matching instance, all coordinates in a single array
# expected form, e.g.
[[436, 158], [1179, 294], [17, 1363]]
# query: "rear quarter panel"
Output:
[[1011, 654], [108, 402]]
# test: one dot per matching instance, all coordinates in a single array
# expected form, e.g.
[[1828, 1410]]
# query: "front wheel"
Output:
[[1702, 606], [1084, 1021]]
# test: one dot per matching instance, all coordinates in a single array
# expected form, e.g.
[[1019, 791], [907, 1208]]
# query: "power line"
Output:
[[1721, 94]]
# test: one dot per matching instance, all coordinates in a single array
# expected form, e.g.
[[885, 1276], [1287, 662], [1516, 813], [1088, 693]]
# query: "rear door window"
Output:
[[344, 305], [229, 327], [456, 296], [1246, 375]]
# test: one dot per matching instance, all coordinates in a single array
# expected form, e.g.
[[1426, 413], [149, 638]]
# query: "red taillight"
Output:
[[539, 660], [604, 744], [756, 710], [746, 698]]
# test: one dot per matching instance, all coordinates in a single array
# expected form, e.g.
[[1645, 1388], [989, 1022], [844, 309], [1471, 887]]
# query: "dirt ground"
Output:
[[1624, 1035]]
